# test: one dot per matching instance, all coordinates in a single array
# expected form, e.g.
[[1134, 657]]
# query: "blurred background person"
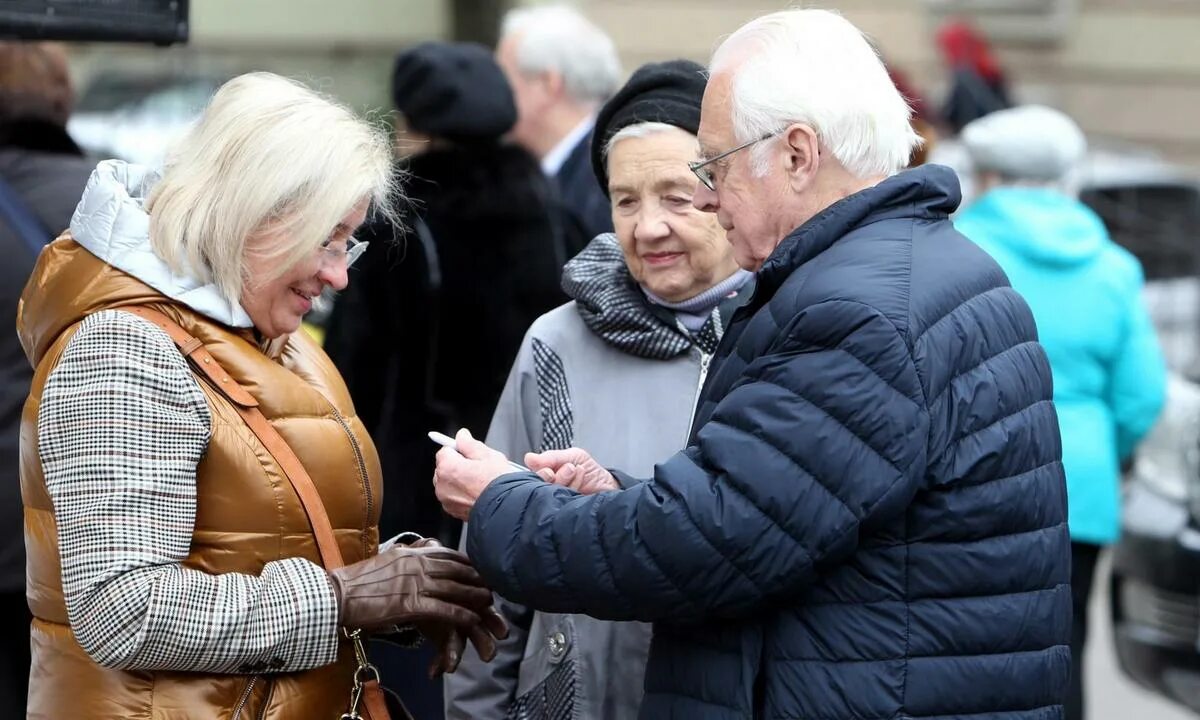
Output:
[[562, 68], [1086, 295], [482, 250], [650, 304], [42, 175], [477, 261], [923, 120], [978, 85]]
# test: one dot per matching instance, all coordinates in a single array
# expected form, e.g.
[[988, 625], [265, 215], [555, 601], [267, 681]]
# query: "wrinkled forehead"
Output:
[[716, 119]]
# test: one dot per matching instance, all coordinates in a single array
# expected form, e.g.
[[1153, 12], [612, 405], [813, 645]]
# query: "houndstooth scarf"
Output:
[[615, 308]]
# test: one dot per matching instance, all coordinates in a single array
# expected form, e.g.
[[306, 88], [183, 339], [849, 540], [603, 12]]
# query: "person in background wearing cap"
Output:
[[649, 306], [483, 249], [1086, 295], [867, 520], [561, 68]]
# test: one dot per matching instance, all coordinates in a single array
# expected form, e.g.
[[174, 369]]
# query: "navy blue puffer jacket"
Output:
[[870, 519]]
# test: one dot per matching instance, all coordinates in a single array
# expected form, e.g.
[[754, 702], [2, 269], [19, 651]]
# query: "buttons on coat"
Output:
[[557, 642]]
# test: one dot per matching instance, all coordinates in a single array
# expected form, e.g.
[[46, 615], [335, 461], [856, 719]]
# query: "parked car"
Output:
[[1155, 581]]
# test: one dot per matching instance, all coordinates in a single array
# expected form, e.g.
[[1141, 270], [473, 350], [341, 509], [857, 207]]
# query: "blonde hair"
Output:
[[267, 155]]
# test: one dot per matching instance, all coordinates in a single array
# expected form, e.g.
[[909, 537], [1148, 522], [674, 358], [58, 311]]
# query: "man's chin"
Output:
[[746, 261]]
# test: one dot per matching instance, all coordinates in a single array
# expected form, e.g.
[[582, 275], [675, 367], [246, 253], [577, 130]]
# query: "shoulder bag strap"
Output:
[[331, 556], [247, 407]]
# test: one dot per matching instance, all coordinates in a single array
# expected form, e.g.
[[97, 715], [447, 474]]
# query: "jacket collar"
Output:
[[37, 135], [929, 192], [111, 222]]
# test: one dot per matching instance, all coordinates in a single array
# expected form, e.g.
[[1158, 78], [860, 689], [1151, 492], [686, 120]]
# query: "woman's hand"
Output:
[[449, 639], [431, 587], [573, 468]]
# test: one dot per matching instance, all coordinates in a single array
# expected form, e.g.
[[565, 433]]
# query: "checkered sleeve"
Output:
[[121, 429]]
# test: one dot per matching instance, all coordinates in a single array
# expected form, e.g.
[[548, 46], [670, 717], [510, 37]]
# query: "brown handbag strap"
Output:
[[247, 407]]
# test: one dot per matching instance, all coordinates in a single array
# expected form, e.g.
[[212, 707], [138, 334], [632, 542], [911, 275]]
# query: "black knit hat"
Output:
[[666, 92], [453, 90]]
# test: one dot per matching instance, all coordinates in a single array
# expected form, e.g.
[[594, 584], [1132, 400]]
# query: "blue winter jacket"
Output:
[[870, 519], [1086, 295]]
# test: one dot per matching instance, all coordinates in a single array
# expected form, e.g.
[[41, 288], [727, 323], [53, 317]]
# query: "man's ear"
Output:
[[553, 83], [802, 155]]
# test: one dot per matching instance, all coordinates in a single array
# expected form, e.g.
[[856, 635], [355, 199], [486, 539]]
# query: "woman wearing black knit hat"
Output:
[[480, 247], [616, 371]]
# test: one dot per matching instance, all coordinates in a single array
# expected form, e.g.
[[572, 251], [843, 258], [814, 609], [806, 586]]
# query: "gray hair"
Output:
[[815, 67], [638, 130], [268, 152], [557, 38]]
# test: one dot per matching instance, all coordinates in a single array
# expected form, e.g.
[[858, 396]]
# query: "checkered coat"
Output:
[[172, 570]]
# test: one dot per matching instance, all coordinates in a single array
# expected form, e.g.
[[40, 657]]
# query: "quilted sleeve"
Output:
[[821, 436]]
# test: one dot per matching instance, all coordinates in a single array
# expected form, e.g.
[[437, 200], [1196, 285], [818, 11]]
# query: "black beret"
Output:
[[665, 92], [453, 90]]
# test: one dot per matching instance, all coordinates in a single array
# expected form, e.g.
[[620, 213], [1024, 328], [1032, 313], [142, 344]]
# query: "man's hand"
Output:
[[461, 477], [572, 468]]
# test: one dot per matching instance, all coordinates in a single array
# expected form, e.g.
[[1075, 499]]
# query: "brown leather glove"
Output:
[[449, 639], [432, 587]]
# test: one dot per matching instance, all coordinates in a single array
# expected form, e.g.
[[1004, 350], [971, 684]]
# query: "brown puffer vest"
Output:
[[246, 516]]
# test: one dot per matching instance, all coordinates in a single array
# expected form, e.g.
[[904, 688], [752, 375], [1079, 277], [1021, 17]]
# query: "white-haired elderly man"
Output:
[[562, 68], [869, 520]]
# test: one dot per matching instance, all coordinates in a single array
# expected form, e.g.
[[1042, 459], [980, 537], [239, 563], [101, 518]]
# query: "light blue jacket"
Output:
[[1108, 370]]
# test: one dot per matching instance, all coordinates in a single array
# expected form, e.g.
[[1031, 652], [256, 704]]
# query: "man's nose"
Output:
[[704, 199]]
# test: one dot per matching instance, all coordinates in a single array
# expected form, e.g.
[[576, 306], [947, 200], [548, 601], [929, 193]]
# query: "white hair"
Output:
[[638, 130], [267, 154], [557, 38], [815, 67]]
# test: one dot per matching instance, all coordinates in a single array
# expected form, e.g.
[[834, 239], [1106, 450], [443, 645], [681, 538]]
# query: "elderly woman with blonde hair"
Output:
[[201, 502]]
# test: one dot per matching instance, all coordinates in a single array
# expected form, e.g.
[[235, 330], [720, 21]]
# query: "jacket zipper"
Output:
[[262, 713], [362, 475], [241, 704], [705, 359]]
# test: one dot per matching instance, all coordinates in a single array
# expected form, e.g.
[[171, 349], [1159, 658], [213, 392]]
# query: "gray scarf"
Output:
[[614, 307]]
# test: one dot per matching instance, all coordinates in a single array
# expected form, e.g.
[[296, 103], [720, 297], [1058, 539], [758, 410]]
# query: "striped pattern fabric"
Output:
[[554, 398], [122, 427], [551, 699], [615, 308]]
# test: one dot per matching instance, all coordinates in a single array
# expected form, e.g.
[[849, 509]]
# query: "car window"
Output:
[[1160, 224]]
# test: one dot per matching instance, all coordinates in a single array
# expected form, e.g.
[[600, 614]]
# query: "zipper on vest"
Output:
[[362, 475], [241, 704], [262, 713]]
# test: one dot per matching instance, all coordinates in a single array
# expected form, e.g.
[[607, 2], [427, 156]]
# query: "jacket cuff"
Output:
[[625, 480]]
